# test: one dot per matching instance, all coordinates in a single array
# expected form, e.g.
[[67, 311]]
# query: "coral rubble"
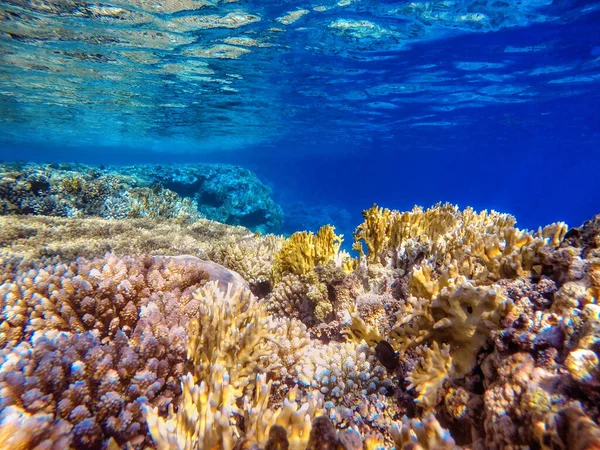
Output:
[[452, 329]]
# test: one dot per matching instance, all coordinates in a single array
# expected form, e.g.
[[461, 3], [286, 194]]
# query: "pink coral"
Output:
[[86, 343]]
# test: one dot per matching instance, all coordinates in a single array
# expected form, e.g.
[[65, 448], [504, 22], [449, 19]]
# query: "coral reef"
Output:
[[307, 273], [303, 251], [453, 329], [85, 345], [87, 192], [227, 194]]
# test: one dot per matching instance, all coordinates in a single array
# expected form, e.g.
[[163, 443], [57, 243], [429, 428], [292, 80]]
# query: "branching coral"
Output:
[[496, 329], [303, 270], [480, 245], [427, 377], [232, 342], [291, 416], [358, 330], [374, 232], [19, 429], [303, 251], [233, 331], [103, 294], [94, 388], [424, 434], [84, 343]]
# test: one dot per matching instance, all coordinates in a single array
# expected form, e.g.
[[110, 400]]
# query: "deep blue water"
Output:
[[495, 105]]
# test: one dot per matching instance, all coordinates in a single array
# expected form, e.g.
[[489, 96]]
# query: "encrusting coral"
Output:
[[38, 237], [455, 330]]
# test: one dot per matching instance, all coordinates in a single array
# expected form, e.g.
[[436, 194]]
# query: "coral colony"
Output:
[[132, 319]]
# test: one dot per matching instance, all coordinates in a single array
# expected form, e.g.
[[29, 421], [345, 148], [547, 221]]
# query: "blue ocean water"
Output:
[[335, 104]]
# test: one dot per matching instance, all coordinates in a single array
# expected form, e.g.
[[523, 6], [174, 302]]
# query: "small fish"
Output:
[[387, 356]]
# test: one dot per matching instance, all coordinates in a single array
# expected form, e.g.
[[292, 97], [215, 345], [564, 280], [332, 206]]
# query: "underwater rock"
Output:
[[586, 236], [225, 193], [214, 272]]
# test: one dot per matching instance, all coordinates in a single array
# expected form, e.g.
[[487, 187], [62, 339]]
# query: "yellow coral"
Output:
[[297, 254], [464, 318], [231, 344], [480, 245], [208, 417], [348, 263], [413, 324], [555, 233], [461, 314], [203, 417], [359, 331], [327, 244], [374, 232], [293, 417], [427, 377], [234, 331], [303, 251]]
